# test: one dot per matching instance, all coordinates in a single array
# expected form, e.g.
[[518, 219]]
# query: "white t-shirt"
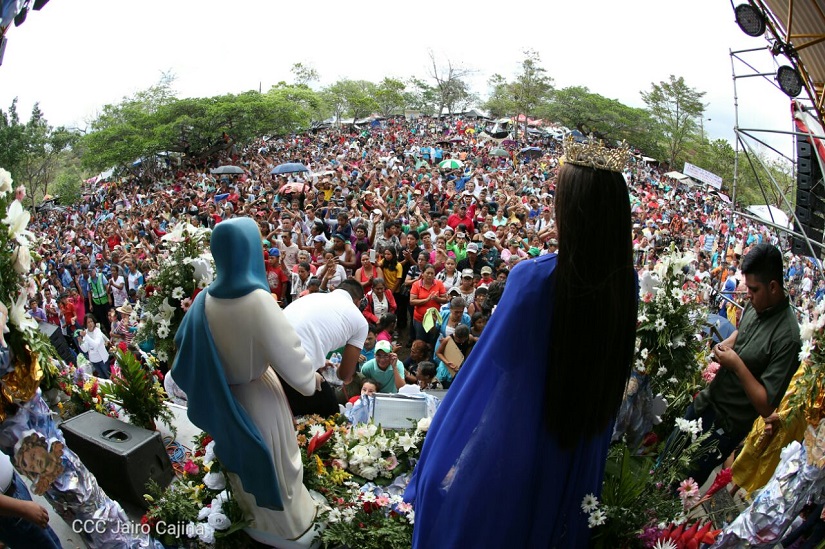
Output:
[[6, 472], [325, 322], [119, 295]]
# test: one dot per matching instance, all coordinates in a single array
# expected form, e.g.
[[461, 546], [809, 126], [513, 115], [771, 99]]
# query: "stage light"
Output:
[[750, 20], [38, 4], [20, 18], [789, 80]]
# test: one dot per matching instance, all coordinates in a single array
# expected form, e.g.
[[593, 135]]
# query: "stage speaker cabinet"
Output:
[[123, 457]]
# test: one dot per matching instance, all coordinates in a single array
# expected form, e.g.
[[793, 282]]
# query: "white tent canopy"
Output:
[[765, 212], [677, 175]]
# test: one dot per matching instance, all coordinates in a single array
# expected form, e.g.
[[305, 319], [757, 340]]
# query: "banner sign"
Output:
[[703, 175]]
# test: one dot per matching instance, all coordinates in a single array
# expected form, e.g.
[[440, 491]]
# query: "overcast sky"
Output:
[[74, 56]]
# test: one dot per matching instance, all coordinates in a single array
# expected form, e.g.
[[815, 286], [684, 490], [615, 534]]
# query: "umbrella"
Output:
[[508, 142], [451, 164], [531, 152], [221, 170], [722, 326], [500, 152], [457, 139], [294, 187], [289, 167]]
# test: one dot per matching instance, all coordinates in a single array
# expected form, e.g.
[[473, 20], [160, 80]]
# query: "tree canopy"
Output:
[[675, 107]]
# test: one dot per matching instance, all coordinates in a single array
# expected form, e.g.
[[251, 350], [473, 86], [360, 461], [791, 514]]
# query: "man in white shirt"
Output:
[[324, 323]]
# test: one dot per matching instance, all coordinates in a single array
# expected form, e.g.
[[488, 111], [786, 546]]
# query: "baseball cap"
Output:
[[472, 247], [490, 235], [467, 273], [319, 238], [274, 252], [99, 256], [486, 270], [383, 346]]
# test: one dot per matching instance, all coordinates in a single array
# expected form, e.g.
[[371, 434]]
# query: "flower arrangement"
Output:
[[138, 389], [370, 517], [186, 269], [638, 501], [667, 333], [83, 393], [373, 454], [200, 502], [807, 398]]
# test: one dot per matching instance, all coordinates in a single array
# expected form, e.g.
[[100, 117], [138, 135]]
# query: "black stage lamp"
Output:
[[38, 4], [20, 18], [750, 20], [789, 80]]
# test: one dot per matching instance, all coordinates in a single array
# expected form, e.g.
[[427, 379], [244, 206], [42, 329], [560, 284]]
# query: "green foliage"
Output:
[[389, 96], [608, 119], [153, 121], [304, 74], [675, 108], [138, 390], [450, 87], [353, 98], [421, 97]]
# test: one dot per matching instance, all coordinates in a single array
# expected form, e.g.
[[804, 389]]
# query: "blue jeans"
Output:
[[19, 532], [102, 369]]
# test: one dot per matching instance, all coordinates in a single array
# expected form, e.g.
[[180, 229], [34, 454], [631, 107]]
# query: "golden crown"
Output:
[[594, 154]]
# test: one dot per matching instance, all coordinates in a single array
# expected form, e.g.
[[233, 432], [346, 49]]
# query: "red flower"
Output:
[[122, 346], [159, 375], [146, 520], [206, 440], [650, 439], [317, 441], [722, 479], [190, 468]]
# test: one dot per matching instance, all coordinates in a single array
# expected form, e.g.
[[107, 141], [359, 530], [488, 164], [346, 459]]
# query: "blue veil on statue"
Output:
[[490, 474], [236, 247]]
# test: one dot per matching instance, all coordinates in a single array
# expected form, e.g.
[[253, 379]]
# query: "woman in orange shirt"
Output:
[[425, 293]]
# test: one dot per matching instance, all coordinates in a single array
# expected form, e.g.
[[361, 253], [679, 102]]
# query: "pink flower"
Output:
[[190, 468], [392, 463], [710, 372], [383, 501], [186, 303], [648, 297], [688, 492]]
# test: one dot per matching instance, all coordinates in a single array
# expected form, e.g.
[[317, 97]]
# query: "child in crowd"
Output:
[[425, 376]]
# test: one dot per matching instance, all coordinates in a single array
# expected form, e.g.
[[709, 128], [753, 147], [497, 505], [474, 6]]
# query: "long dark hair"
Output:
[[392, 263], [595, 309]]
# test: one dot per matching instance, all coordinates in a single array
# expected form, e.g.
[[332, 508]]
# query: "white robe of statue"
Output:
[[251, 334]]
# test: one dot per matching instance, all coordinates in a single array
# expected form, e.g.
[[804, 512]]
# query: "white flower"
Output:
[[424, 424], [678, 341], [665, 543], [162, 356], [214, 481], [17, 218], [590, 503], [316, 430], [209, 452], [807, 347], [192, 529], [133, 318], [6, 182], [204, 513], [411, 516], [166, 310], [640, 366], [206, 533], [806, 331], [643, 353], [662, 371], [406, 441], [178, 293], [369, 472], [334, 516], [673, 381], [18, 316], [163, 332], [678, 294], [219, 521], [203, 269], [660, 324], [203, 284], [597, 518], [22, 259]]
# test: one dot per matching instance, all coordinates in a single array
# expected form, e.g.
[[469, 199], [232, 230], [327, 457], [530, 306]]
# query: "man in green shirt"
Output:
[[757, 362], [385, 369]]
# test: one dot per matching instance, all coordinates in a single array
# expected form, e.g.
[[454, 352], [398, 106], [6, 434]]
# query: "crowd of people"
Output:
[[374, 206]]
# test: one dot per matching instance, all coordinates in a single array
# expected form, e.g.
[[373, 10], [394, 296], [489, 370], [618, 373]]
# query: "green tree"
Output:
[[675, 107], [353, 97], [39, 159], [12, 142], [420, 96], [389, 95], [500, 102], [451, 89], [304, 74], [608, 119]]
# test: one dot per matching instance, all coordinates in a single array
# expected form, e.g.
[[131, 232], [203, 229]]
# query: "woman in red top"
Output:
[[425, 293], [367, 272]]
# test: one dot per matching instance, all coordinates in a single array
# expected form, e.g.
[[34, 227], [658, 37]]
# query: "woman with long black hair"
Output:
[[522, 435]]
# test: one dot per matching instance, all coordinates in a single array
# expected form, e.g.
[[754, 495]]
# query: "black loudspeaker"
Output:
[[58, 341], [810, 197], [122, 457]]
